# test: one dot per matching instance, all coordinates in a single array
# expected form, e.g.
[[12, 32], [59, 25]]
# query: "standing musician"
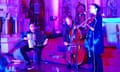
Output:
[[34, 40], [67, 27], [80, 13], [71, 36], [80, 17], [94, 39]]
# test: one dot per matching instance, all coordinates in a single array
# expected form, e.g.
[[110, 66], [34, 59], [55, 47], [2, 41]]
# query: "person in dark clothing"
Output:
[[71, 39], [34, 40], [94, 39], [67, 27]]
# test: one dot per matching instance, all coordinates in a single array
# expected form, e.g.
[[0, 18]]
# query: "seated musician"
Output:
[[34, 40]]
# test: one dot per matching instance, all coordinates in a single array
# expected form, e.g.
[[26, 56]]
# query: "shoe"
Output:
[[29, 67], [69, 65]]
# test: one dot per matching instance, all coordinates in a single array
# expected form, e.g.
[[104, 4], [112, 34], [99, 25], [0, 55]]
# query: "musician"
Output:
[[80, 17], [67, 27], [80, 13], [34, 40], [94, 39]]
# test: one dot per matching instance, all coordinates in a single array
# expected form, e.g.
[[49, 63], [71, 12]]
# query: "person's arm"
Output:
[[90, 27], [45, 39], [25, 36], [66, 35]]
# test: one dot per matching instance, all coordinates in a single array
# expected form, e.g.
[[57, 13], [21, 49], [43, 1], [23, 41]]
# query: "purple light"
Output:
[[55, 7], [56, 14]]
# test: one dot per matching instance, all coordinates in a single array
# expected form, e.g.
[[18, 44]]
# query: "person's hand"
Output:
[[92, 48], [95, 41], [45, 42], [66, 43], [26, 38]]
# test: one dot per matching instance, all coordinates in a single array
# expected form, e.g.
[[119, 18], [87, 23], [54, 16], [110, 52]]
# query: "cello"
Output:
[[76, 53]]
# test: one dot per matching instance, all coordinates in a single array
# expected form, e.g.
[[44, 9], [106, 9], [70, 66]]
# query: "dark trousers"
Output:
[[26, 49], [38, 53], [3, 63], [96, 61]]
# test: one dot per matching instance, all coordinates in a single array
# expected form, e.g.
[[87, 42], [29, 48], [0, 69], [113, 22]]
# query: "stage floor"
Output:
[[53, 60]]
